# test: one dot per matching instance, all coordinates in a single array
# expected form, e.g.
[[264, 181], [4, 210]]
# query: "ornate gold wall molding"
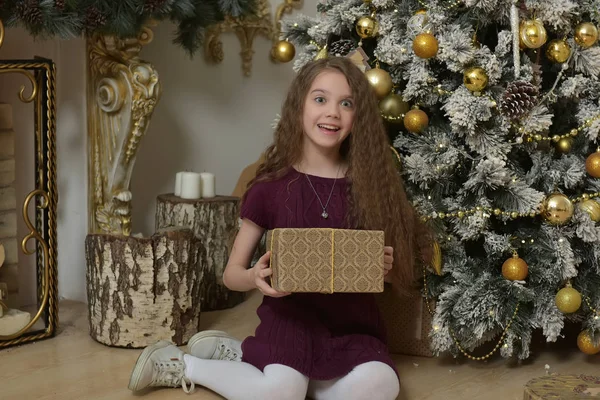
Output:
[[247, 29], [122, 93]]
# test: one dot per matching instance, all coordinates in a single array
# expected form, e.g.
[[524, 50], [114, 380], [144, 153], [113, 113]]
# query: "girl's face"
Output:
[[328, 111]]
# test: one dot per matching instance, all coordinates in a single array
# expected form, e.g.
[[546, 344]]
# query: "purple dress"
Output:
[[323, 336]]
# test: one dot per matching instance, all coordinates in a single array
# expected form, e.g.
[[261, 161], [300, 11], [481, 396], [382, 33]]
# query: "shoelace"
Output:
[[171, 374], [225, 353]]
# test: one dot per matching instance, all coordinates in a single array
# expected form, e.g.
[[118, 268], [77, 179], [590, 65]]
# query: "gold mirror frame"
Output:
[[41, 74]]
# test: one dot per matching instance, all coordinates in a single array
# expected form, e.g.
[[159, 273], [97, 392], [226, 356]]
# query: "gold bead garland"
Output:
[[487, 211], [555, 138], [592, 309], [456, 342]]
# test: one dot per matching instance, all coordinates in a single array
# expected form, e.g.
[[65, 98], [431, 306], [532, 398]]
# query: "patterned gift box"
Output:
[[408, 322], [323, 260], [563, 387]]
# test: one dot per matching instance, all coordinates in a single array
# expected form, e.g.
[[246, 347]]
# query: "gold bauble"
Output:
[[592, 164], [558, 51], [564, 145], [393, 108], [416, 121], [586, 34], [533, 34], [367, 27], [283, 51], [381, 81], [475, 79], [421, 11], [425, 45], [586, 344], [515, 269], [436, 260], [592, 208], [568, 300], [557, 209]]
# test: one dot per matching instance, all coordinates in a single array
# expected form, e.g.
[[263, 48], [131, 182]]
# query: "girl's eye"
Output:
[[347, 103], [320, 99]]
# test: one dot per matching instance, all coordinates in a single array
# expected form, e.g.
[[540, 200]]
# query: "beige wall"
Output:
[[210, 118]]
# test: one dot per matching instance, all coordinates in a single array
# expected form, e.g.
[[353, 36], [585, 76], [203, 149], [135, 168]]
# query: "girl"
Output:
[[329, 166]]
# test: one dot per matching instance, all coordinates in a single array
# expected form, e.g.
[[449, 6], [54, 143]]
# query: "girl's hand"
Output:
[[388, 260], [260, 272]]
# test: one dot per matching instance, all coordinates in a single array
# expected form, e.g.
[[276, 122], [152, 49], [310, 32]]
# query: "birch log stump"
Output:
[[214, 222], [141, 290]]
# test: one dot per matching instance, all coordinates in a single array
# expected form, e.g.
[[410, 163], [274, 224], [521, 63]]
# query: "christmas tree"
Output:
[[493, 107]]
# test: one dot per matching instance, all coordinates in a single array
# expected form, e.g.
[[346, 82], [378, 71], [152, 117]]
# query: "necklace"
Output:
[[324, 214]]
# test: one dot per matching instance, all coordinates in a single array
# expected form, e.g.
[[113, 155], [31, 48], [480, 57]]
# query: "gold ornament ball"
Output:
[[515, 269], [425, 45], [586, 34], [586, 344], [533, 34], [381, 81], [558, 51], [394, 107], [283, 51], [557, 209], [475, 79], [367, 27], [416, 121], [592, 165], [564, 145], [592, 208], [568, 300]]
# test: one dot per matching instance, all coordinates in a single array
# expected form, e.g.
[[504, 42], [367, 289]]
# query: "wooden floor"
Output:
[[73, 366]]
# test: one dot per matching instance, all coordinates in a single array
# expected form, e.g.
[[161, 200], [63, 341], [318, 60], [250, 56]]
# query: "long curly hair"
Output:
[[377, 199]]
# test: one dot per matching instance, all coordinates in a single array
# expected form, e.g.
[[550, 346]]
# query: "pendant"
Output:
[[324, 215]]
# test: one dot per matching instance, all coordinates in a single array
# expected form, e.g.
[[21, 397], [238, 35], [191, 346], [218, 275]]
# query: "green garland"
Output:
[[124, 18]]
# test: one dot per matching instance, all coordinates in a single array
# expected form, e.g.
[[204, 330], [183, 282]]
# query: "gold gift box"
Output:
[[323, 260]]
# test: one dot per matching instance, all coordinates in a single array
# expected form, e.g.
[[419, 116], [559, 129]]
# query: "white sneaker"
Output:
[[215, 345], [160, 365]]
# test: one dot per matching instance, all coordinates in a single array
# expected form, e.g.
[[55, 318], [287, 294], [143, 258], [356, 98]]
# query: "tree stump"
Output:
[[141, 290], [214, 222]]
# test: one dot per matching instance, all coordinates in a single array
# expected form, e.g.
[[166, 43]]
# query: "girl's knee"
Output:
[[378, 381], [284, 384], [286, 391]]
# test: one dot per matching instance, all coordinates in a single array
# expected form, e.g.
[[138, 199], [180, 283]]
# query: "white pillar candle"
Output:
[[178, 184], [191, 185], [208, 185]]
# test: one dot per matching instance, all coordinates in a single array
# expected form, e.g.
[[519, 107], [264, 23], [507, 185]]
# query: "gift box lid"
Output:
[[326, 260]]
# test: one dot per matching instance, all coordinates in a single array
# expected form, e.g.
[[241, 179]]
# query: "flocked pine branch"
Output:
[[123, 18]]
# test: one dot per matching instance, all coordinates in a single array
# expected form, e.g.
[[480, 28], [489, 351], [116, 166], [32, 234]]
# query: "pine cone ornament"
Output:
[[153, 5], [60, 4], [29, 11], [518, 99], [341, 48], [94, 19]]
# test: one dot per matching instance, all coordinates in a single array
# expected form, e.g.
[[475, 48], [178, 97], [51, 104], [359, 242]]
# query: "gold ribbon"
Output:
[[332, 257]]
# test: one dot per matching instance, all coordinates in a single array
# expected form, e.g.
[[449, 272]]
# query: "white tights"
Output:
[[242, 381]]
